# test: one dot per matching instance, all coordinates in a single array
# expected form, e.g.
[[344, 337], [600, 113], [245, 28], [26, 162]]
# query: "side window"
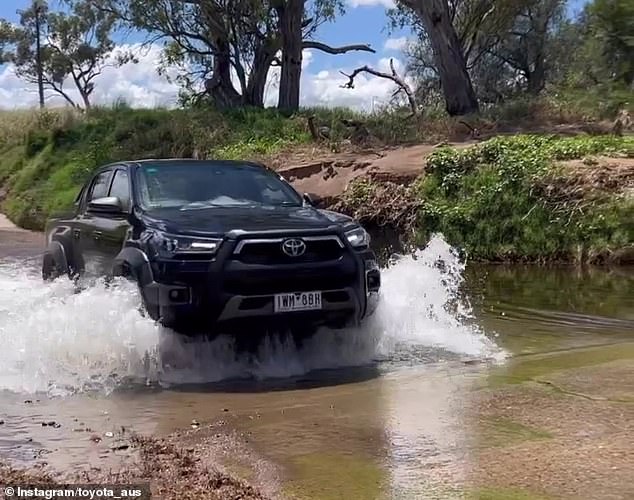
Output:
[[121, 188], [99, 188]]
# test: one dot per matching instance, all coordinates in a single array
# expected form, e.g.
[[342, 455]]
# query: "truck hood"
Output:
[[223, 220]]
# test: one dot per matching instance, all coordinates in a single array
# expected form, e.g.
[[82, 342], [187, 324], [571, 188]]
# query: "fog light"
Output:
[[373, 281], [178, 295]]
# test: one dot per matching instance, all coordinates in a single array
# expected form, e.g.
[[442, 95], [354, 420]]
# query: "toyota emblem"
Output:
[[294, 247]]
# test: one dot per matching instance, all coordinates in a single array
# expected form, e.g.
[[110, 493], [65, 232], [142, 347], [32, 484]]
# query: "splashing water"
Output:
[[58, 340]]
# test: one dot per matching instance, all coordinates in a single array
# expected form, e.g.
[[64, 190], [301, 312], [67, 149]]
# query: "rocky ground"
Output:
[[182, 466]]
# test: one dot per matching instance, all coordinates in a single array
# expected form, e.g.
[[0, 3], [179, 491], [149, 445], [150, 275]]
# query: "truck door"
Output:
[[112, 228], [87, 232]]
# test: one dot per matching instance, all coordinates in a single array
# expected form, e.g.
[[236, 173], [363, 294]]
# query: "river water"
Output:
[[377, 411]]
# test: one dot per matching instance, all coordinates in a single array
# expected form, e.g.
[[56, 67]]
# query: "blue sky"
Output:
[[365, 21]]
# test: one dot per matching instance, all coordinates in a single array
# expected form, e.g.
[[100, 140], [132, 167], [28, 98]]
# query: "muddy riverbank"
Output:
[[486, 382]]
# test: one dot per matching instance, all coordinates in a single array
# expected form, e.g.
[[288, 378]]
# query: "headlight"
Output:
[[170, 244], [358, 237]]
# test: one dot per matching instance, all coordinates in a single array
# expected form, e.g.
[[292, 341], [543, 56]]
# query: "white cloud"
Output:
[[362, 3], [137, 84], [325, 88], [398, 44], [140, 86]]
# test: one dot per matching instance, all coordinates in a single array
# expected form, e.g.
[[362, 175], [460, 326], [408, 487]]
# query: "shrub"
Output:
[[491, 201]]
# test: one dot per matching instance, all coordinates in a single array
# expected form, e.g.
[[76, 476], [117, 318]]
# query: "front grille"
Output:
[[252, 285], [270, 252]]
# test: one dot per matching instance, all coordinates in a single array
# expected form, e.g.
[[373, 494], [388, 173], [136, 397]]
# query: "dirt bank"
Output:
[[326, 176]]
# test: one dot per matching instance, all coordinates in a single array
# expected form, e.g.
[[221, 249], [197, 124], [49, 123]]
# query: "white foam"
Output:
[[57, 340]]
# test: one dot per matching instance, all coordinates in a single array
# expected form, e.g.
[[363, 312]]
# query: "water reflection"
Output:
[[537, 309], [399, 429]]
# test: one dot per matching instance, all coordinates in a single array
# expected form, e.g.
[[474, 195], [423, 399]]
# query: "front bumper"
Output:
[[227, 290]]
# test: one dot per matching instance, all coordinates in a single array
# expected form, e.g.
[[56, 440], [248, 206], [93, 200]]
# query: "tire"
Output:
[[302, 335], [152, 310], [52, 269]]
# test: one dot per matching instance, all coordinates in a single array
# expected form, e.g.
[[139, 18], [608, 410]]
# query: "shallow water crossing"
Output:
[[405, 407]]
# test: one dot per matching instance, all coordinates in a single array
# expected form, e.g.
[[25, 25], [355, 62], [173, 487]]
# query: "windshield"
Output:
[[191, 186]]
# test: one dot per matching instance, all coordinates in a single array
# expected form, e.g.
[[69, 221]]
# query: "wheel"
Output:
[[52, 269], [301, 335], [152, 310]]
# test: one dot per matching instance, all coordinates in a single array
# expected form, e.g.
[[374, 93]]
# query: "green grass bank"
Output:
[[46, 156], [529, 198], [517, 198]]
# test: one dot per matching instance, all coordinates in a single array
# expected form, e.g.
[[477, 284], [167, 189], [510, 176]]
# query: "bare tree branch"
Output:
[[393, 75], [312, 44]]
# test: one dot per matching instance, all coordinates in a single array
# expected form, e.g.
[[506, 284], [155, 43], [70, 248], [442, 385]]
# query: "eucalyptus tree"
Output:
[[57, 48], [225, 48]]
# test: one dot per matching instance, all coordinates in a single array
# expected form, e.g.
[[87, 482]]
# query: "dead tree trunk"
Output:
[[460, 98], [290, 15]]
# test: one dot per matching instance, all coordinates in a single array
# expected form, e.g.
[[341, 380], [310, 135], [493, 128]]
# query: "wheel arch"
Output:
[[55, 261], [134, 263]]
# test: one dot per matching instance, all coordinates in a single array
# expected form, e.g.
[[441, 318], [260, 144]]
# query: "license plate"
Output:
[[297, 301]]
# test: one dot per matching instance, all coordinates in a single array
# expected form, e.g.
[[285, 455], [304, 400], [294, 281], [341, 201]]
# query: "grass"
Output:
[[513, 199], [45, 156], [334, 476], [507, 200], [503, 494]]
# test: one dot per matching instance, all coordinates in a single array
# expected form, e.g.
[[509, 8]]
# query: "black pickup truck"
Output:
[[216, 243]]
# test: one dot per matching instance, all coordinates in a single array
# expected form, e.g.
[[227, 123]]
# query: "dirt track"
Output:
[[18, 242]]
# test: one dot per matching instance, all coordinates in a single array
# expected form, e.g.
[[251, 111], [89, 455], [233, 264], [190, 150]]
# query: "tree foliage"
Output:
[[225, 49], [611, 24], [513, 47], [76, 46], [465, 53]]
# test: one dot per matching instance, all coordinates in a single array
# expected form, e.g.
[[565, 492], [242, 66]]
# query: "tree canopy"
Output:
[[76, 46], [465, 53]]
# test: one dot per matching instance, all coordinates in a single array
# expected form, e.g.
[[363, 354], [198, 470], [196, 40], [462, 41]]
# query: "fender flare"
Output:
[[133, 261]]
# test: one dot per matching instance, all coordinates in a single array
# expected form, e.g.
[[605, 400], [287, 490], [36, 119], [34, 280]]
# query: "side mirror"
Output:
[[107, 205], [309, 199]]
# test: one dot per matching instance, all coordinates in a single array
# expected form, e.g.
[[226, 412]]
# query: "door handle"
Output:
[[76, 233], [97, 235]]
